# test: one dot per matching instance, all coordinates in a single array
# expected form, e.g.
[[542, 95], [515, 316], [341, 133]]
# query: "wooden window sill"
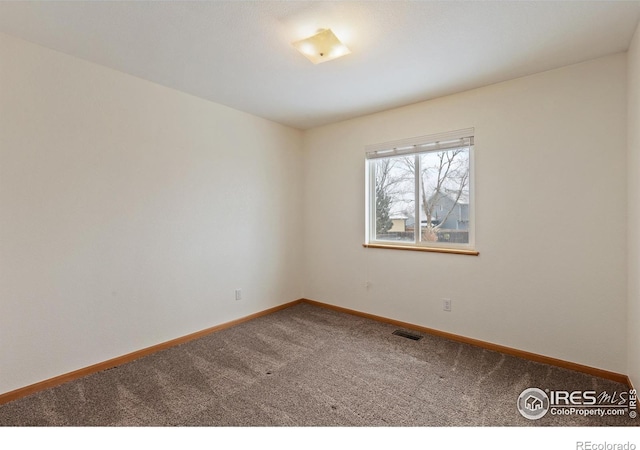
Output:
[[455, 251]]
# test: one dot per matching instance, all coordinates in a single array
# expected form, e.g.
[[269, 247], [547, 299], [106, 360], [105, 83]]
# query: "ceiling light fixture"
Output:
[[322, 46]]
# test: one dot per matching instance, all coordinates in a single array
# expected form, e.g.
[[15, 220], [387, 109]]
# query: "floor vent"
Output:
[[404, 334]]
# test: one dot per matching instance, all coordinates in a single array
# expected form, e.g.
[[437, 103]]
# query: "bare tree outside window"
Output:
[[444, 189], [383, 196], [393, 205], [441, 195]]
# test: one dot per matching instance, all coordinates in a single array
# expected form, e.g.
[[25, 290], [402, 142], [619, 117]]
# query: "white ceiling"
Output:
[[239, 53]]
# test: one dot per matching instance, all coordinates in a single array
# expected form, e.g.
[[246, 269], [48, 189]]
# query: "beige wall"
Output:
[[550, 227], [633, 167], [130, 212]]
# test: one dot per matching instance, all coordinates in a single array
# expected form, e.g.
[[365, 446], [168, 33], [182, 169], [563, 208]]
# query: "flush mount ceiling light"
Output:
[[322, 46]]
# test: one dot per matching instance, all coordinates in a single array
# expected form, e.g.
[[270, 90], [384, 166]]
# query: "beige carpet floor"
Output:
[[309, 366]]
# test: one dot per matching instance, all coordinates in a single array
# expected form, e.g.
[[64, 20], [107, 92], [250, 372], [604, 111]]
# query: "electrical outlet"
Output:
[[238, 294], [446, 304]]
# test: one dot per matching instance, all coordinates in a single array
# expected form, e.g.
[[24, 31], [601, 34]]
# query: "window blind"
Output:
[[421, 144]]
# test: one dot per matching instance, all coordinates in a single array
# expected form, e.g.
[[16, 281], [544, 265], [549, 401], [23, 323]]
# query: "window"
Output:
[[420, 193]]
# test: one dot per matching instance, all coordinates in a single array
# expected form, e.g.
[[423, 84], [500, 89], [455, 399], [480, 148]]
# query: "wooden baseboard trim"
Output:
[[601, 373], [55, 381]]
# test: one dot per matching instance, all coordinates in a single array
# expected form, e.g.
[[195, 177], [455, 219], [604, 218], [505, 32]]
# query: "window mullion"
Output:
[[372, 204], [417, 227]]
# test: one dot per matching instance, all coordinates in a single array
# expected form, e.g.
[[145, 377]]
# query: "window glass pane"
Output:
[[444, 196], [394, 198]]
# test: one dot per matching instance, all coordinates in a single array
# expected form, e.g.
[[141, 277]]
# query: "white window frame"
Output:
[[416, 146]]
